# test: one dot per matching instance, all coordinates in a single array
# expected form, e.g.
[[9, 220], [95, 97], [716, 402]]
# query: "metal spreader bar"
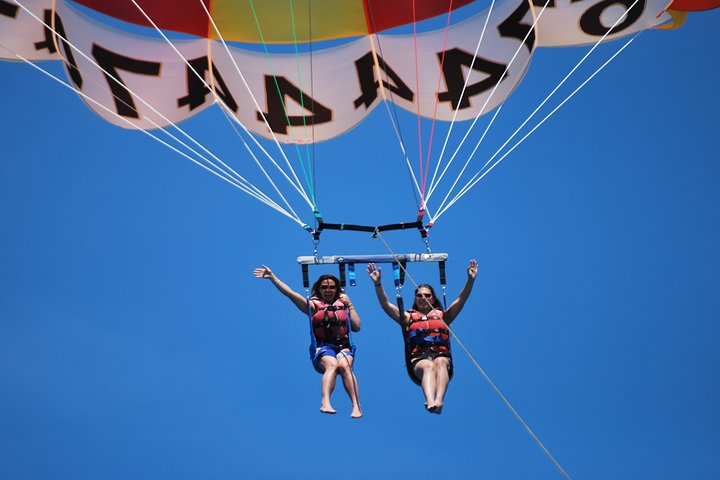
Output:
[[347, 259]]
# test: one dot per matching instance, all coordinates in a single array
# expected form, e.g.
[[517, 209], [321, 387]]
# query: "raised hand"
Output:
[[263, 272], [472, 269], [374, 272]]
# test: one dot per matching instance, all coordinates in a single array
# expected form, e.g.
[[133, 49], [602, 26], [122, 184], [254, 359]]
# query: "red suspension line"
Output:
[[437, 101], [417, 92]]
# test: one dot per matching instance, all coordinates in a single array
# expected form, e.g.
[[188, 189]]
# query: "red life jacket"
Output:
[[428, 332], [330, 322]]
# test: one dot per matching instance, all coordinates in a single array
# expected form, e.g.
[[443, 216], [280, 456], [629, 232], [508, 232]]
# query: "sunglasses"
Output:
[[328, 287], [423, 295]]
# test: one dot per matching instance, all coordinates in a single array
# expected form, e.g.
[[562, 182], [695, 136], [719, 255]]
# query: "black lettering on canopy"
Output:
[[48, 43], [198, 90], [541, 3], [70, 62], [111, 62], [512, 26], [455, 59], [365, 67], [276, 89], [7, 9], [591, 22]]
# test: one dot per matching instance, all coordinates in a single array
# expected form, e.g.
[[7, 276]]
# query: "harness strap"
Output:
[[425, 331], [443, 282], [306, 280], [330, 321], [341, 267], [351, 274]]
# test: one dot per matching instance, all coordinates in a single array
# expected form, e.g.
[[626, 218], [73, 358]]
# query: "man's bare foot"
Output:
[[328, 409]]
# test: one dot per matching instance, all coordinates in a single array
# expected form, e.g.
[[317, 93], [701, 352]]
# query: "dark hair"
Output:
[[316, 286], [435, 302]]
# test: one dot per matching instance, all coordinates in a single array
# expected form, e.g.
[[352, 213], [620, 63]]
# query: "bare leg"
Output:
[[425, 369], [442, 376], [328, 383], [350, 384]]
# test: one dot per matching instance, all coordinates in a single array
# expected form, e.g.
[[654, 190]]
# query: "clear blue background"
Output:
[[135, 343]]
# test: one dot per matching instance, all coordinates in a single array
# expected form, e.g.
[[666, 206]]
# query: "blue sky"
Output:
[[135, 343]]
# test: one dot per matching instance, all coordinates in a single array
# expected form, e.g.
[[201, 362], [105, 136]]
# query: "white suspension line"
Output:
[[257, 162], [252, 190], [487, 378], [482, 110], [298, 185], [562, 82], [462, 93], [219, 100], [402, 147], [387, 109], [224, 177], [476, 179], [302, 95], [467, 163]]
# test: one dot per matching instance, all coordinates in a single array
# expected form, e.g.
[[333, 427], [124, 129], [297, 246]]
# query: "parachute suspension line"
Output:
[[462, 94], [426, 173], [313, 165], [474, 180], [186, 135], [296, 183], [417, 90], [226, 172], [394, 121], [470, 157], [487, 378], [223, 176], [392, 114], [282, 100], [228, 115], [482, 110], [298, 187], [479, 175], [310, 175]]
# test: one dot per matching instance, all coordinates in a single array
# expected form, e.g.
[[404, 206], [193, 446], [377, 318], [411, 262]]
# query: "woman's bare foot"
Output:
[[327, 408], [356, 413]]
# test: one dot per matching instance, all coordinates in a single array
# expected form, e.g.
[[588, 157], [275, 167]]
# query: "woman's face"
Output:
[[424, 299], [328, 290]]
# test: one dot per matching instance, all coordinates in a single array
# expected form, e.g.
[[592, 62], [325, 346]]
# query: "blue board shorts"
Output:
[[329, 350]]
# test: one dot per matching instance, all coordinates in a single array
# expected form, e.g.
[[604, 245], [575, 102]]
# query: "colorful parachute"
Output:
[[331, 88], [304, 71]]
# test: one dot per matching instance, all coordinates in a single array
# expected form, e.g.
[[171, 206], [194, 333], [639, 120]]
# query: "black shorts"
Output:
[[430, 355]]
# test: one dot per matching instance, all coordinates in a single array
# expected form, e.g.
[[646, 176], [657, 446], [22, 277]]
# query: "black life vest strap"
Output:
[[328, 323], [424, 331]]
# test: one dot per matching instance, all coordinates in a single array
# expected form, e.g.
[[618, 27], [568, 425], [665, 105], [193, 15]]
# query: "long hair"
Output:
[[435, 303], [316, 286]]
